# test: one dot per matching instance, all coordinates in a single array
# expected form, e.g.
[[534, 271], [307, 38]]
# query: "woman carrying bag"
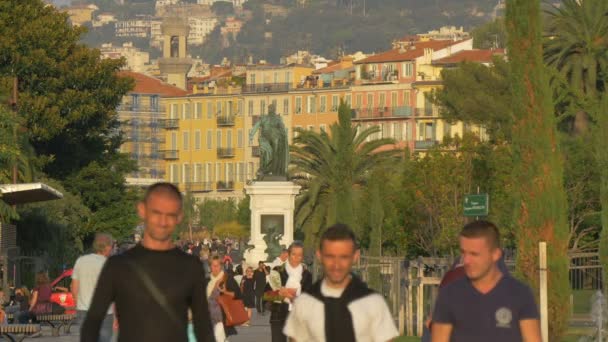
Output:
[[220, 284]]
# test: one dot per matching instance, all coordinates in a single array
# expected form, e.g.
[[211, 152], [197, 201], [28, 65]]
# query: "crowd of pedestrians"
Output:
[[160, 291]]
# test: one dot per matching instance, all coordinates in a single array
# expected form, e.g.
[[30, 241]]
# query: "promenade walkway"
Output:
[[259, 331]]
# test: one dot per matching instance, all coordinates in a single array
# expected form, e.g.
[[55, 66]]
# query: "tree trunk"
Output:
[[540, 213], [601, 137]]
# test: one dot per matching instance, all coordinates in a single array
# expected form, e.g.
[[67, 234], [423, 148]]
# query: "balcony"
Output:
[[225, 121], [371, 77], [425, 144], [170, 154], [225, 152], [225, 186], [255, 151], [382, 112], [199, 186], [170, 123], [266, 88], [130, 107], [426, 111]]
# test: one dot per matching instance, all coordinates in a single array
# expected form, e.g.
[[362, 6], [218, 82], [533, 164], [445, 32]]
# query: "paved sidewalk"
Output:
[[258, 331]]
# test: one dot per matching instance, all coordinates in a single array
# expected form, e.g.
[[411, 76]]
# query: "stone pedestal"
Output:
[[271, 202]]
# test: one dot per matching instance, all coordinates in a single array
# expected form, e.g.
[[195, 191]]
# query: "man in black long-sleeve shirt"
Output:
[[176, 277]]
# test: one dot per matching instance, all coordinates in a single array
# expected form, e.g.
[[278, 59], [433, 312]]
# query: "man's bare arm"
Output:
[[441, 332], [530, 330], [75, 286]]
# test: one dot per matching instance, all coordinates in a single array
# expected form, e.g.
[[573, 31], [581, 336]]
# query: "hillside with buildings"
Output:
[[270, 29]]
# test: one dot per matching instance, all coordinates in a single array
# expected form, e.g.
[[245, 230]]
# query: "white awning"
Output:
[[27, 193]]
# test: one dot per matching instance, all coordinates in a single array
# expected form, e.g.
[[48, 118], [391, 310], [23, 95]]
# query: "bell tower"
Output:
[[175, 64]]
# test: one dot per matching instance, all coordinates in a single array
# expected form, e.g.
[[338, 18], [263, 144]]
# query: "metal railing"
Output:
[[199, 186], [130, 107], [170, 154], [225, 120], [266, 88], [225, 186], [382, 112], [425, 144], [225, 152], [170, 123]]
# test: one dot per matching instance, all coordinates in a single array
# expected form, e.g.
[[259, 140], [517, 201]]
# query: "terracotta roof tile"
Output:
[[395, 55], [145, 84], [480, 56]]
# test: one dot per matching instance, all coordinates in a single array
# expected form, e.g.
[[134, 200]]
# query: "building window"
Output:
[[296, 131], [197, 140], [198, 113], [239, 107], [229, 139], [174, 170], [298, 105], [394, 99], [370, 101], [219, 108], [174, 111], [312, 105], [276, 77], [241, 172], [334, 103], [359, 101], [382, 100], [186, 140], [174, 140], [447, 130], [209, 139], [250, 171], [262, 107], [274, 105], [408, 131], [186, 111], [250, 107], [239, 138], [407, 98], [218, 171], [186, 170], [285, 106], [408, 69], [198, 173], [230, 172], [347, 99], [218, 142], [252, 79], [208, 172], [288, 77], [323, 105], [209, 110]]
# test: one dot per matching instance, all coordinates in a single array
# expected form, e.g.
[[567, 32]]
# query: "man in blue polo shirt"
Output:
[[486, 305]]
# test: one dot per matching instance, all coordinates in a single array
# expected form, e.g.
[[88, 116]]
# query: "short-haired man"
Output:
[[486, 305], [340, 307], [155, 283], [295, 279], [280, 260], [84, 280]]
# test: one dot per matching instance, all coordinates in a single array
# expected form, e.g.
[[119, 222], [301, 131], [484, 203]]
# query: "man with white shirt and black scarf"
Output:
[[295, 279], [340, 307]]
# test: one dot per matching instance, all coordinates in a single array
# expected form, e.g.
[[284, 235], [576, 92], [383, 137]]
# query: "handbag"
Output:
[[234, 309]]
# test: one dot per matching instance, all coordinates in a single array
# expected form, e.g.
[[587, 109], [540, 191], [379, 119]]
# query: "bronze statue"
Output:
[[274, 146]]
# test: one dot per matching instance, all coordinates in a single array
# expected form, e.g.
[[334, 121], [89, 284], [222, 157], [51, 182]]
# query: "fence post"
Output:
[[410, 309], [420, 301], [544, 323]]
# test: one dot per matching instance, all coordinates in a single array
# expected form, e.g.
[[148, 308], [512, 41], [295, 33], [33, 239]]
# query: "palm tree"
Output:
[[576, 44], [330, 167]]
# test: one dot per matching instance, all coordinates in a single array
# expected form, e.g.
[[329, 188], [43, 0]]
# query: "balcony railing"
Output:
[[170, 123], [255, 151], [199, 186], [225, 152], [425, 144], [225, 186], [382, 112], [130, 107], [225, 120], [426, 111], [170, 154], [266, 88], [378, 76]]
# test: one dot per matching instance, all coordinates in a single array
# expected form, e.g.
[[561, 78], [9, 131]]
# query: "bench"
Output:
[[19, 332], [56, 321]]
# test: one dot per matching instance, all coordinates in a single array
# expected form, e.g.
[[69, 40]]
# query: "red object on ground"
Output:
[[64, 299]]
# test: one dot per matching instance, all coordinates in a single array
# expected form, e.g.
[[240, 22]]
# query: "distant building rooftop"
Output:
[[145, 84]]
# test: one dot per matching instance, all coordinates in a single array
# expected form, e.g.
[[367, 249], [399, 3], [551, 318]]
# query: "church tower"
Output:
[[175, 64]]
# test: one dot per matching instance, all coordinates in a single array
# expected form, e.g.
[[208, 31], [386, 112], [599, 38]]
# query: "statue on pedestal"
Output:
[[272, 238], [274, 146]]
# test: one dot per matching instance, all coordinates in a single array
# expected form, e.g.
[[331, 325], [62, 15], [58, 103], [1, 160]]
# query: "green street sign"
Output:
[[476, 205]]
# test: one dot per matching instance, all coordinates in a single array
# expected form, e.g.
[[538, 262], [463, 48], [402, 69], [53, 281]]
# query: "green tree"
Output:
[[576, 45], [213, 212], [601, 136], [375, 238], [67, 94], [540, 213], [329, 166], [102, 188]]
